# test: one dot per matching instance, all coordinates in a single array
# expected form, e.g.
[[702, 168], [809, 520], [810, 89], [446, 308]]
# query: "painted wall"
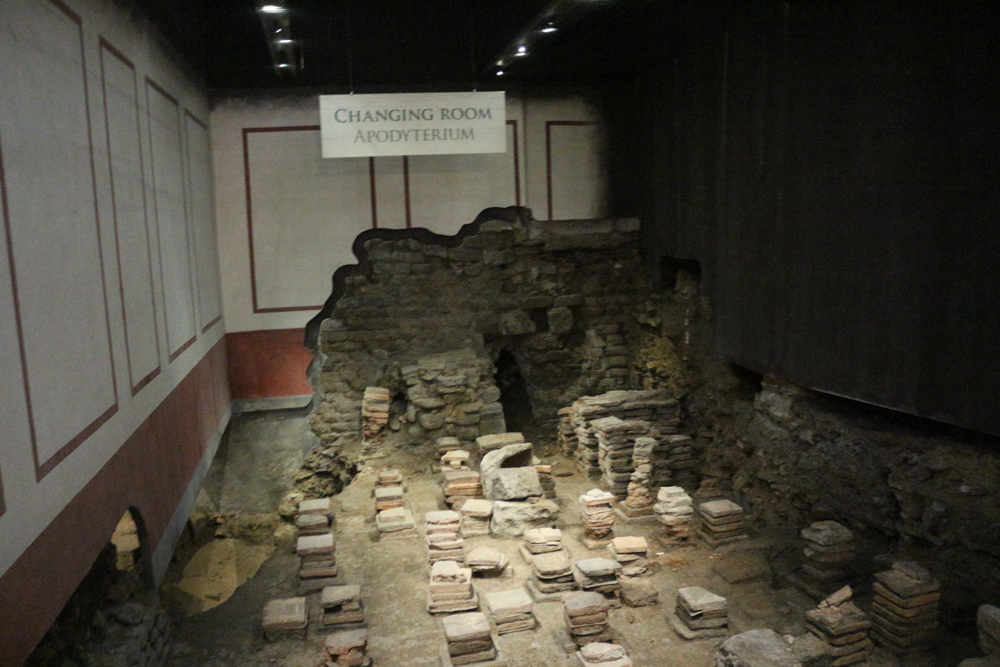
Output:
[[110, 293], [287, 217]]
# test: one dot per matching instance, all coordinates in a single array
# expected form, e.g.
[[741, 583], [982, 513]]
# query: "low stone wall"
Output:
[[555, 296]]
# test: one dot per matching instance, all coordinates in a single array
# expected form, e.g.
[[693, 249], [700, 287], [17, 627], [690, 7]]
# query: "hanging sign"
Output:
[[413, 124]]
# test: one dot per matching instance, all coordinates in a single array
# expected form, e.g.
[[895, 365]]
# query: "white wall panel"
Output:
[[133, 245], [53, 228], [171, 218], [304, 215], [448, 191], [573, 170], [202, 222]]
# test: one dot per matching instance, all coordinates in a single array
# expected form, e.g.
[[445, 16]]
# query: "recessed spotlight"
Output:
[[273, 9], [277, 30], [549, 28], [499, 72], [284, 41], [284, 65], [522, 49]]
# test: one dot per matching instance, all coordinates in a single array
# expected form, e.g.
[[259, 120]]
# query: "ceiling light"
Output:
[[283, 65], [273, 9], [522, 49], [549, 28], [499, 72], [284, 41]]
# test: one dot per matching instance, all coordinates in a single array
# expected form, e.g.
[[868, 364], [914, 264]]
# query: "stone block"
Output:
[[755, 648], [516, 323], [511, 519]]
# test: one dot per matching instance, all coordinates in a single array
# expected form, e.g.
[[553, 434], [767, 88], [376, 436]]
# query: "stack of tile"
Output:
[[598, 517], [567, 433], [599, 575], [461, 485], [476, 514], [391, 477], [988, 623], [441, 533], [486, 561], [450, 589], [553, 574], [468, 640], [905, 609], [586, 616], [321, 506], [679, 459], [842, 627], [603, 654], [639, 500], [347, 648], [828, 555], [388, 497], [456, 459], [396, 523], [653, 407], [285, 618], [699, 614], [674, 510], [545, 479], [487, 443], [447, 444], [721, 522], [315, 517], [511, 610], [342, 605], [615, 444], [317, 557], [374, 412], [541, 541], [631, 552]]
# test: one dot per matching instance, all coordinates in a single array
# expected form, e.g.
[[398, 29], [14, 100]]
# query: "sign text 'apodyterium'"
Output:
[[413, 124]]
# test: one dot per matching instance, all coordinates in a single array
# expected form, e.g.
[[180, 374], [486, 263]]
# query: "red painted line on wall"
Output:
[[517, 165], [246, 176], [371, 178], [218, 318], [406, 189], [548, 153], [151, 84], [194, 241], [136, 386]]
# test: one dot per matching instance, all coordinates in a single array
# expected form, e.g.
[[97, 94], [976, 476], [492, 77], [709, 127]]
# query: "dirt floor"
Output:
[[393, 576]]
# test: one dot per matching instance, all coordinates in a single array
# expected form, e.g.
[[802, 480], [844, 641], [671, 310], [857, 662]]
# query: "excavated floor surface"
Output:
[[393, 576]]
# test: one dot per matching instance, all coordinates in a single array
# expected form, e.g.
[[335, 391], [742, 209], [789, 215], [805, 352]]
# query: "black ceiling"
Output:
[[375, 45]]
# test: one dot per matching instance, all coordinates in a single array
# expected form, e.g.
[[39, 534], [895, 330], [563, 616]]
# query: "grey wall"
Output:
[[833, 167]]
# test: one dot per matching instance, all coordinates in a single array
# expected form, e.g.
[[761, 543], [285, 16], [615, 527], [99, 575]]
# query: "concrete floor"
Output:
[[254, 471]]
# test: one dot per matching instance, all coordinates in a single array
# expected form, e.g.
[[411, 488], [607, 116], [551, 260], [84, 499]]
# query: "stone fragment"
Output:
[[755, 648], [510, 519]]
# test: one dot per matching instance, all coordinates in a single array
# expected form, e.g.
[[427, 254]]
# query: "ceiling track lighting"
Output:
[[558, 16], [286, 54]]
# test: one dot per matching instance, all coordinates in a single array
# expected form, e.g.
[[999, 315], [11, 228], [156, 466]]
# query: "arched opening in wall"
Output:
[[517, 410], [678, 274], [114, 611]]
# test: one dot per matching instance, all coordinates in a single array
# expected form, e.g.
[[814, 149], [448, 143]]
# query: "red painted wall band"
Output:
[[150, 472]]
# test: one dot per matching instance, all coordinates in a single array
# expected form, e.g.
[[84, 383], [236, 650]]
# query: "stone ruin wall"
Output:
[[791, 456], [572, 306], [427, 316]]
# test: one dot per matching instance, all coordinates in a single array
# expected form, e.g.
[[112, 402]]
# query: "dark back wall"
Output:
[[833, 166]]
